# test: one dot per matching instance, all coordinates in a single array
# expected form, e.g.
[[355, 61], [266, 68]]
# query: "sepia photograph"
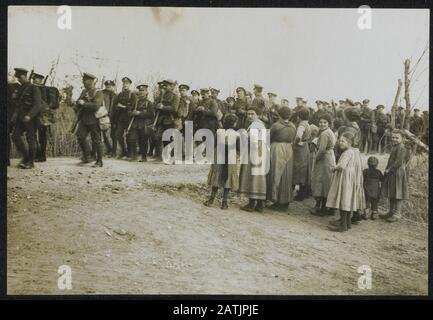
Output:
[[217, 151]]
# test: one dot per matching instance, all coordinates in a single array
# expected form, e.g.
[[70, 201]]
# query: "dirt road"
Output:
[[142, 229]]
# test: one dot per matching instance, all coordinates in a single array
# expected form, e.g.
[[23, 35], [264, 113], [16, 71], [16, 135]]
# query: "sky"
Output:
[[318, 54]]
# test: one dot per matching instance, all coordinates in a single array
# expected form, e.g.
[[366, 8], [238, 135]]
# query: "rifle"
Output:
[[157, 113], [133, 118]]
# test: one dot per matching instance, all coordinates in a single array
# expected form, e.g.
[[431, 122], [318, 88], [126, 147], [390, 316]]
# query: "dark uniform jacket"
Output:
[[416, 124], [365, 121], [185, 111], [168, 113], [12, 98], [147, 112], [208, 117], [120, 115], [93, 101], [241, 106], [29, 101]]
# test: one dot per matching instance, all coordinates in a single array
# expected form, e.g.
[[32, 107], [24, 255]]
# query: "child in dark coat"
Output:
[[395, 183], [372, 181]]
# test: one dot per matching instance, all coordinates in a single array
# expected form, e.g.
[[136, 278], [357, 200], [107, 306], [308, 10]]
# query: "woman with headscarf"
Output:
[[279, 187], [325, 161], [301, 152], [252, 179]]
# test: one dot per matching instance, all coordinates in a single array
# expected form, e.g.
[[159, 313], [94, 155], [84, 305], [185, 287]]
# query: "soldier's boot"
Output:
[[211, 199], [31, 158], [343, 223], [259, 206], [250, 206], [298, 196], [158, 151], [224, 204], [143, 158], [373, 215], [99, 152], [85, 151]]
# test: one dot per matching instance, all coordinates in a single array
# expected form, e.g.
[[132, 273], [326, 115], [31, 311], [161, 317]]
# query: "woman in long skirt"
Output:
[[301, 154], [282, 135], [251, 181], [224, 175], [325, 161], [342, 193]]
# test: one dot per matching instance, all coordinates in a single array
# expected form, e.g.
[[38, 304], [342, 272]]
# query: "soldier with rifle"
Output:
[[139, 127], [123, 102], [29, 104], [11, 105], [87, 105], [382, 123], [109, 137], [166, 112]]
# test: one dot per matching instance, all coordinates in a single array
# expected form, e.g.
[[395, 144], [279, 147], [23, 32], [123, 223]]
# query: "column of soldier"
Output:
[[306, 144]]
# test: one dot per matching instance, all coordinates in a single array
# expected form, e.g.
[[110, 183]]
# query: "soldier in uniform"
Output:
[[425, 127], [140, 126], [207, 112], [230, 102], [319, 113], [399, 118], [259, 103], [29, 105], [416, 123], [214, 93], [88, 103], [45, 118], [123, 102], [365, 126], [241, 105], [166, 109], [273, 108], [299, 105], [382, 122], [284, 103], [110, 140], [12, 90]]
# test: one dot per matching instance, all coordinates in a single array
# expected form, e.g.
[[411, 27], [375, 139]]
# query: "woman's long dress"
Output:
[[325, 160], [251, 183], [279, 188]]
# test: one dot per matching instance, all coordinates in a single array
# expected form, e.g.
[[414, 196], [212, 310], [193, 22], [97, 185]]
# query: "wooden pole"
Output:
[[405, 124], [394, 106]]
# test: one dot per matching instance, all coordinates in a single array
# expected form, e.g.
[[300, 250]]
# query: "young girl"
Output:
[[395, 184], [372, 180], [342, 193], [224, 175]]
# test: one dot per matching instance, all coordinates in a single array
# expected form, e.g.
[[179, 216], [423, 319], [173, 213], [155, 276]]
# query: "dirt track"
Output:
[[142, 229]]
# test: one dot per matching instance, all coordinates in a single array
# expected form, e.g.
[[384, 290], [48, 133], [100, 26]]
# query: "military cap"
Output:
[[304, 101], [241, 89], [400, 108], [349, 102], [213, 90], [37, 76], [299, 98], [142, 86], [126, 79], [357, 103], [425, 112], [88, 76], [195, 92], [284, 100], [365, 101], [230, 98], [380, 106], [184, 86], [109, 83], [169, 81], [258, 86], [326, 103], [271, 94], [319, 102], [202, 90], [20, 71], [161, 83], [415, 110]]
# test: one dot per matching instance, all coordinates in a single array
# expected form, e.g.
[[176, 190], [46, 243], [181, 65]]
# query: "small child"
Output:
[[224, 175], [343, 191], [312, 144], [372, 180], [395, 182]]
